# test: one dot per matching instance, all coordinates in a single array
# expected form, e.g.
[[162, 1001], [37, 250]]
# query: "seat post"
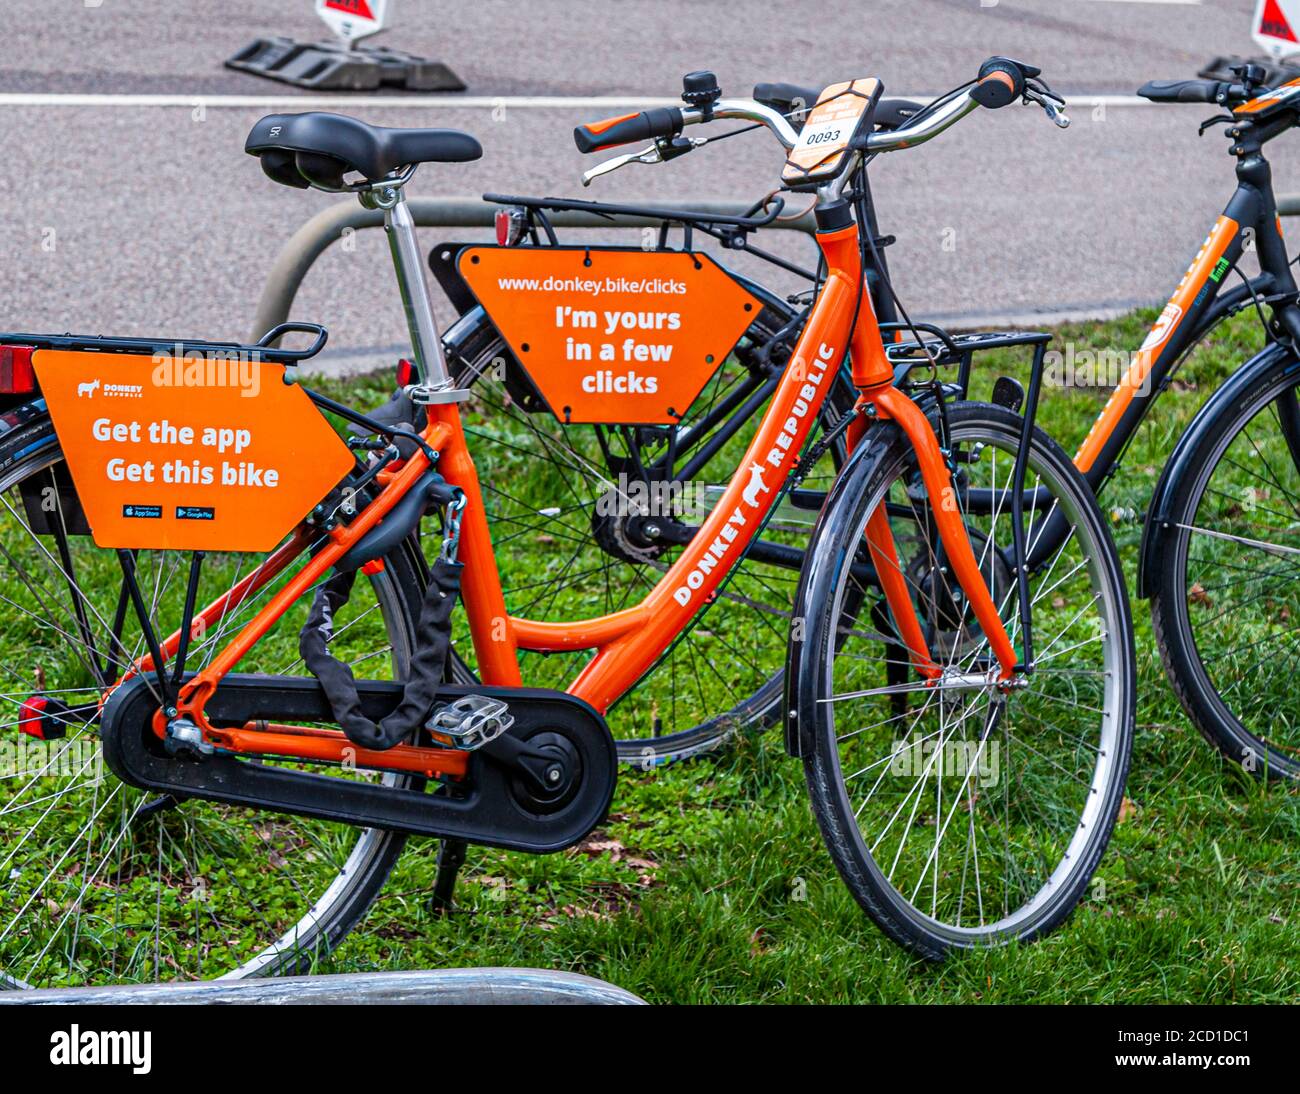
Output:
[[426, 343]]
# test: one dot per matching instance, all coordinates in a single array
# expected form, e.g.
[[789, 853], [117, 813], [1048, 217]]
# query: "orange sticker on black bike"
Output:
[[1208, 264], [186, 452], [609, 335]]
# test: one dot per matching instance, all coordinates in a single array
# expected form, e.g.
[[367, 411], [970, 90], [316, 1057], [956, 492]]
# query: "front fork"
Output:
[[1288, 408], [873, 375], [887, 402]]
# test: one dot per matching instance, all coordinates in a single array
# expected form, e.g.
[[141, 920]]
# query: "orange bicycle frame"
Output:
[[627, 643]]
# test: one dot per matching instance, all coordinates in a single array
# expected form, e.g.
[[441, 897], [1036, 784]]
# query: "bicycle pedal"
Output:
[[469, 722]]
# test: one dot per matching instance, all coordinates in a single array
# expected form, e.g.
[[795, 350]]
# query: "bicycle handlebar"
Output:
[[1194, 91], [1000, 82], [641, 126], [668, 122]]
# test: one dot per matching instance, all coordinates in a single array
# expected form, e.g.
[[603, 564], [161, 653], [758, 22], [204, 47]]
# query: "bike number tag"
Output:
[[187, 453], [843, 111]]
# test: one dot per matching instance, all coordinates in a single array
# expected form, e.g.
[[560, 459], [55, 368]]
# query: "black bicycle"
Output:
[[1221, 547]]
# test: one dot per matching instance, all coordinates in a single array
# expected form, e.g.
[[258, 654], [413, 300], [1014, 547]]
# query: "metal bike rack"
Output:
[[468, 987], [313, 238]]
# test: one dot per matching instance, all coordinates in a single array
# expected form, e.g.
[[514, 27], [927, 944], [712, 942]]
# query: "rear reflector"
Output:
[[43, 718], [510, 225], [17, 377], [405, 373]]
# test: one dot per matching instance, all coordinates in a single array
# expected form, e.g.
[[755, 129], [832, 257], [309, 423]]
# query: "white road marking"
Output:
[[449, 101], [289, 102]]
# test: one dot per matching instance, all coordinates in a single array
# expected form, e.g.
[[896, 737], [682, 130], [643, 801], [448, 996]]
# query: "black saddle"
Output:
[[890, 113], [318, 149]]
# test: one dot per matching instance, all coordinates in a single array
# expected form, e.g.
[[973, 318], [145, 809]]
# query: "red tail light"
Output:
[[43, 718], [17, 377], [511, 224], [405, 373]]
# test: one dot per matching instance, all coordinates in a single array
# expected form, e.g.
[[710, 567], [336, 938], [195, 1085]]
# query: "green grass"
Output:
[[709, 883]]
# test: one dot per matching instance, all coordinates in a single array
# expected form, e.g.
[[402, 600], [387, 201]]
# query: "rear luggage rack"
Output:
[[262, 350]]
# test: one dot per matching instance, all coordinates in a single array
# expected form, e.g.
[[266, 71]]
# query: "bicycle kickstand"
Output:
[[451, 857]]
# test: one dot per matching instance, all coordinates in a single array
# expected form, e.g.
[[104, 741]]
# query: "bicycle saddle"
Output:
[[890, 113], [318, 149]]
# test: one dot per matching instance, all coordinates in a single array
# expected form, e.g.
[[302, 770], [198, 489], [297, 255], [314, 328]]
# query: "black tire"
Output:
[[1233, 670], [835, 620], [328, 913]]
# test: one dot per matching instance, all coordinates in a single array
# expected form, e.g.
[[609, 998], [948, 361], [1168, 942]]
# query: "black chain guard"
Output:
[[487, 807]]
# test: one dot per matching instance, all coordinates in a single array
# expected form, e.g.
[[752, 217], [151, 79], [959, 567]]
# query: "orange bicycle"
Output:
[[175, 511]]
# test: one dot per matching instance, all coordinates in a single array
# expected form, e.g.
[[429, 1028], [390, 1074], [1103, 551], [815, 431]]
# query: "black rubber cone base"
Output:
[[330, 66]]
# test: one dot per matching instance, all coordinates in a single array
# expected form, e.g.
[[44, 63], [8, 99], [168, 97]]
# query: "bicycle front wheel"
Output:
[[963, 815], [1226, 602]]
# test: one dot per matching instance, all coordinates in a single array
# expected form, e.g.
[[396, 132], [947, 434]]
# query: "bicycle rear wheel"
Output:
[[961, 815], [103, 883]]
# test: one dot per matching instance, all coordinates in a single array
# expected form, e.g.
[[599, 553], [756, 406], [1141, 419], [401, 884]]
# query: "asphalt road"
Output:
[[129, 218]]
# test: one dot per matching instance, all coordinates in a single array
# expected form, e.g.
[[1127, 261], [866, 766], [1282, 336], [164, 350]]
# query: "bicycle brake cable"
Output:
[[729, 133], [1254, 296], [870, 243], [933, 104], [358, 418]]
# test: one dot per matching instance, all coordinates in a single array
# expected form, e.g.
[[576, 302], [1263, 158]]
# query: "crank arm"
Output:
[[515, 755]]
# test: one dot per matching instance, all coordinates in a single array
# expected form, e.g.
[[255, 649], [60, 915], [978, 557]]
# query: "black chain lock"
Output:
[[428, 667]]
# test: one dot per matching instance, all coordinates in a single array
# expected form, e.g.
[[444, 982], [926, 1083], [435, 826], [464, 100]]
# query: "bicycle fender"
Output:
[[1180, 462], [816, 578], [22, 414]]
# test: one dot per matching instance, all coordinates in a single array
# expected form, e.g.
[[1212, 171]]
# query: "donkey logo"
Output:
[[756, 486]]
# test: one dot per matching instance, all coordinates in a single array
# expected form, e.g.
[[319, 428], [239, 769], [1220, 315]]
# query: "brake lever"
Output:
[[660, 152], [1210, 123], [1053, 105], [649, 154]]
